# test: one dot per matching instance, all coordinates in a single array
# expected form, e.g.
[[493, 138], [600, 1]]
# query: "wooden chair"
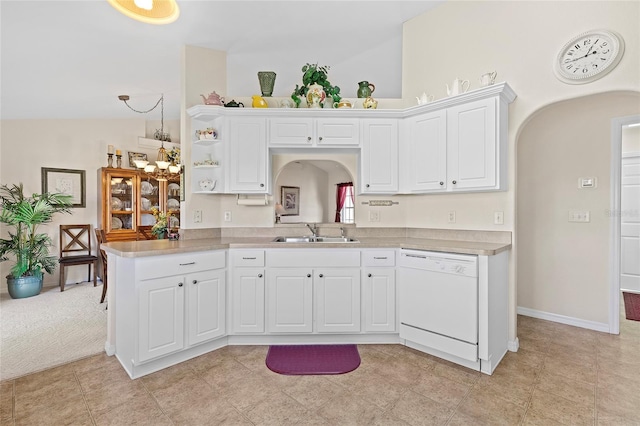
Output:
[[144, 233], [101, 237], [75, 249]]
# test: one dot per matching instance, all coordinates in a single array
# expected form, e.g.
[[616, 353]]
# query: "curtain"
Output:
[[341, 197]]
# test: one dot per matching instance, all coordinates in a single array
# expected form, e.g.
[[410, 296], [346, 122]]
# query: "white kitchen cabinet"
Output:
[[206, 302], [337, 298], [425, 152], [314, 132], [379, 156], [290, 300], [248, 300], [160, 317], [473, 149], [379, 299], [248, 160]]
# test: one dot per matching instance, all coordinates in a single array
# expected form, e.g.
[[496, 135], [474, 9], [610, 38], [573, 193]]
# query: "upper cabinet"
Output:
[[314, 132], [455, 144], [460, 147]]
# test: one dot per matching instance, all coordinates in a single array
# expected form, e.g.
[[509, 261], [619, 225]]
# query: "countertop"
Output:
[[162, 247]]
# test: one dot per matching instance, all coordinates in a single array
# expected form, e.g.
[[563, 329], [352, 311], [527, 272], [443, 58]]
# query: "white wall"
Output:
[[519, 40], [631, 139], [312, 182]]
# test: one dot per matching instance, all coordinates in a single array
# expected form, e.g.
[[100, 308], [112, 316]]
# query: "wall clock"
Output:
[[589, 56]]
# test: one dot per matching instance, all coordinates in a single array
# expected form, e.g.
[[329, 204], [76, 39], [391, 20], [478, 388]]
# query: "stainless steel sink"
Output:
[[314, 240]]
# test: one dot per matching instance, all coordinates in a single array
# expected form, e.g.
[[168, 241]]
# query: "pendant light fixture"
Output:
[[165, 169], [157, 12]]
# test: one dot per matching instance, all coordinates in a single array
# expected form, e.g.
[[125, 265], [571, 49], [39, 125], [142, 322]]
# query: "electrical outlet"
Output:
[[498, 218], [452, 216], [374, 216], [227, 216], [197, 216], [579, 216]]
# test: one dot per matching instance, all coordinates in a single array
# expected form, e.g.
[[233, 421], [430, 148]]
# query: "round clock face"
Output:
[[589, 56]]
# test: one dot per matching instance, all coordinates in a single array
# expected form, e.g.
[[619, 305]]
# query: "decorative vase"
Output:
[[315, 96], [162, 235], [365, 89], [267, 80], [22, 287]]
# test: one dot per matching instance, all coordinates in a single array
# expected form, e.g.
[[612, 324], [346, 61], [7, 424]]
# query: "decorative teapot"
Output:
[[365, 89], [213, 99], [344, 103], [370, 103], [233, 104], [458, 86], [258, 102], [488, 79], [207, 184], [424, 99]]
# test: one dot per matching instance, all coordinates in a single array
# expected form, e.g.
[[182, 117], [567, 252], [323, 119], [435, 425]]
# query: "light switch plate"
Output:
[[197, 216], [452, 216], [374, 216], [498, 218], [582, 216]]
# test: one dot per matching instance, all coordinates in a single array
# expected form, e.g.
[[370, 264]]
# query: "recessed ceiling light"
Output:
[[157, 12]]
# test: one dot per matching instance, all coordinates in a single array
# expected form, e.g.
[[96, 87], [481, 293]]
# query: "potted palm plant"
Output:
[[23, 215]]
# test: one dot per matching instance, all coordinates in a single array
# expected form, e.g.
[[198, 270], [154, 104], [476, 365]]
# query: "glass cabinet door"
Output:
[[121, 202], [173, 204], [149, 199]]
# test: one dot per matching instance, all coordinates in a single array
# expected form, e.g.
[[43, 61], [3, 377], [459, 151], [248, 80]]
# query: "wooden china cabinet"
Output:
[[126, 199]]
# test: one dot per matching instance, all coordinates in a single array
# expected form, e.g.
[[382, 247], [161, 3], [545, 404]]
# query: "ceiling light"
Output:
[[149, 11], [166, 168]]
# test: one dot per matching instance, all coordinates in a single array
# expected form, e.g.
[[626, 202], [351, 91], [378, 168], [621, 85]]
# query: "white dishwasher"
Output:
[[439, 301]]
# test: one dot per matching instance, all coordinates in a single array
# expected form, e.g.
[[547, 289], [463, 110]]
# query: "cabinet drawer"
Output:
[[179, 264], [247, 258], [313, 258], [379, 258]]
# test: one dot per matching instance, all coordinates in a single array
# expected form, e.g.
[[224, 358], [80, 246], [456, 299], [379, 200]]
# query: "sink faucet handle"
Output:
[[341, 231]]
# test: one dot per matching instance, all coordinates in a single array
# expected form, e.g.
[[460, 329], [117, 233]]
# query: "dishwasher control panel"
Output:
[[449, 263]]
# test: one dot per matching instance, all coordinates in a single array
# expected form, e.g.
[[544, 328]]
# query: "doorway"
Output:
[[624, 212]]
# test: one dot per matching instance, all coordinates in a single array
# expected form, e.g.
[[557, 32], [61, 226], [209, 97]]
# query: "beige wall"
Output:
[[313, 183], [563, 266], [519, 40], [631, 139]]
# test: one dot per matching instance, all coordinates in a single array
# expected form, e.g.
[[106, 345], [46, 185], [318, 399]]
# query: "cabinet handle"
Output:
[[320, 138], [262, 185], [195, 281], [190, 263], [453, 182], [309, 138], [179, 284], [321, 275], [259, 275], [308, 275], [248, 258], [369, 275], [441, 183], [380, 258], [366, 186]]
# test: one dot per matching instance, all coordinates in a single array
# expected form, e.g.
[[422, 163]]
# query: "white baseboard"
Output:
[[513, 345], [577, 322]]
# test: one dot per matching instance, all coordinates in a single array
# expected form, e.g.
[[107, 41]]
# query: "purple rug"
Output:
[[631, 305], [312, 359]]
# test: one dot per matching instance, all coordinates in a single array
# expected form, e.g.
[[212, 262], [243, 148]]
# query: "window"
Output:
[[347, 213]]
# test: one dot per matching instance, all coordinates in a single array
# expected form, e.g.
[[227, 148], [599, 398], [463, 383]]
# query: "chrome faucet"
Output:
[[314, 229]]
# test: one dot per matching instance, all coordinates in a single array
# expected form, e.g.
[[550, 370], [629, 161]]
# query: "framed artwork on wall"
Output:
[[133, 156], [290, 199], [65, 181]]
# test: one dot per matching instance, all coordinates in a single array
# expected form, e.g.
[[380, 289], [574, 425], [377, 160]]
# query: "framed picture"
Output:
[[290, 199], [65, 181], [133, 156]]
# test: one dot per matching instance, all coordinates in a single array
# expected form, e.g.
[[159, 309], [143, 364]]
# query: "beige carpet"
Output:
[[50, 329]]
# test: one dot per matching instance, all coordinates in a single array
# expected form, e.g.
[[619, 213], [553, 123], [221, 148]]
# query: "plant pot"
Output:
[[22, 287]]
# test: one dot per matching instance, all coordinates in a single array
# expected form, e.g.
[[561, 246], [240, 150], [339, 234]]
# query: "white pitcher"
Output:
[[458, 86], [488, 79]]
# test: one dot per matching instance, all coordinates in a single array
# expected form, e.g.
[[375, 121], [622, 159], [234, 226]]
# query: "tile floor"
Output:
[[560, 375]]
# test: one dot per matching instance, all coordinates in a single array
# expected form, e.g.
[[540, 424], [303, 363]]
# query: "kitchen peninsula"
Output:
[[170, 301]]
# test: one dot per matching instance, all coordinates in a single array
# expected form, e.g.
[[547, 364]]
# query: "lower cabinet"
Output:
[[290, 300], [247, 305], [379, 299], [206, 300], [337, 295]]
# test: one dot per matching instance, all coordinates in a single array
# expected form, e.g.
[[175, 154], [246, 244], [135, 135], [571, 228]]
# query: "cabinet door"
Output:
[[118, 202], [338, 132], [291, 132], [379, 294], [161, 317], [290, 300], [205, 305], [472, 145], [379, 156], [247, 294], [248, 155], [337, 293], [426, 153]]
